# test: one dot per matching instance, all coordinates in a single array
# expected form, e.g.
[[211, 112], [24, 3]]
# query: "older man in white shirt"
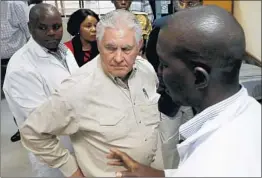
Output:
[[201, 50], [36, 70], [109, 102]]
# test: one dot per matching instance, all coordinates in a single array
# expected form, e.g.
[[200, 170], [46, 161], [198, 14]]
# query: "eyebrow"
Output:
[[128, 46], [110, 45], [50, 25], [42, 24], [90, 23]]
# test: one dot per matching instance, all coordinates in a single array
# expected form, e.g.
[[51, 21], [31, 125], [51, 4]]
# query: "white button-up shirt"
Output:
[[98, 112], [223, 140], [32, 76]]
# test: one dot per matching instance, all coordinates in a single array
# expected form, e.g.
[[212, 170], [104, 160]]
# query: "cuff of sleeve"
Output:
[[70, 167], [170, 172]]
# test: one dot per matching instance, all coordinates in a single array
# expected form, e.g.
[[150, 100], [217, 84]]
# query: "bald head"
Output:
[[45, 24], [210, 33], [40, 10]]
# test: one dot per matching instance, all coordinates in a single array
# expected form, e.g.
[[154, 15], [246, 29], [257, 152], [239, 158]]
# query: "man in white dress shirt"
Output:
[[201, 50], [36, 70]]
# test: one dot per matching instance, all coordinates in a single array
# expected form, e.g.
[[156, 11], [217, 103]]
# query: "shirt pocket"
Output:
[[113, 126]]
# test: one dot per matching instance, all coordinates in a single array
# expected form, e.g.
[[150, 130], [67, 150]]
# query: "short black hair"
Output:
[[75, 20], [40, 9]]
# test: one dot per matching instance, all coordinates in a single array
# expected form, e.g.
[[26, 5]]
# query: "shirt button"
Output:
[[139, 122], [146, 139]]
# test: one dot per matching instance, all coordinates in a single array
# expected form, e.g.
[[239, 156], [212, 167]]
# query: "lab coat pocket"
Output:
[[114, 126]]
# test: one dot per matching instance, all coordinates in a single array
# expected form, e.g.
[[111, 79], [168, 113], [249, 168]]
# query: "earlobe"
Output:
[[202, 78]]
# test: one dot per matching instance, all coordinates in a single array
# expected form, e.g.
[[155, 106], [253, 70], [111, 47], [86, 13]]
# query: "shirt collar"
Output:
[[61, 51], [194, 125]]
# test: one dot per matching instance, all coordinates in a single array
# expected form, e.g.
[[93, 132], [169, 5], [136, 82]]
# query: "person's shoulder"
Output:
[[144, 66], [83, 73], [254, 106], [158, 23], [69, 45], [20, 57], [139, 13], [81, 81]]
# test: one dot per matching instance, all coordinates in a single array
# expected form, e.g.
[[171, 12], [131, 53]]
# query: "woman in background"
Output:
[[82, 25]]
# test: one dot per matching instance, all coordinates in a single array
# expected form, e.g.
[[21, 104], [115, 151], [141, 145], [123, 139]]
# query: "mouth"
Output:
[[51, 41], [119, 68]]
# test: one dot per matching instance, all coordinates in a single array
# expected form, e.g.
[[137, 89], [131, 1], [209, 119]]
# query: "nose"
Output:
[[93, 29], [50, 32], [119, 56], [123, 2]]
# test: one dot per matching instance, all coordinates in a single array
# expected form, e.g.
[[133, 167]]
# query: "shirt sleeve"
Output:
[[20, 14], [24, 92], [38, 133]]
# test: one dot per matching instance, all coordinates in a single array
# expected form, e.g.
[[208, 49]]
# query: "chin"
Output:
[[119, 74], [92, 39], [52, 46]]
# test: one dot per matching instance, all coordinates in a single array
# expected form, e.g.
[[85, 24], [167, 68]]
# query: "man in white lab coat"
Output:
[[36, 70]]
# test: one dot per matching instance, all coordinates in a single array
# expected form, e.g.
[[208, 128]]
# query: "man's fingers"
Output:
[[125, 174], [116, 163], [117, 154], [127, 160], [112, 156]]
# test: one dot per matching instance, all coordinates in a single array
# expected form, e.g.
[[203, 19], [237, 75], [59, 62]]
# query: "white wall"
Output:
[[248, 13], [66, 35]]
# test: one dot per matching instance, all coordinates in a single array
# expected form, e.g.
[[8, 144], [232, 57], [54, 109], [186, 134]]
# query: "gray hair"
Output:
[[118, 19]]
